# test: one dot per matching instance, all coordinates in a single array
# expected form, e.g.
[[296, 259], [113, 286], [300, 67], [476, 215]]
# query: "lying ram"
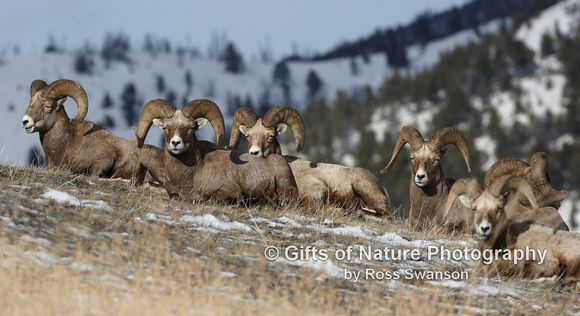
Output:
[[511, 213], [196, 171], [83, 146], [318, 183], [487, 203], [429, 188]]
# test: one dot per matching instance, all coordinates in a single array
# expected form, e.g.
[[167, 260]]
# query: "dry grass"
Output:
[[135, 257]]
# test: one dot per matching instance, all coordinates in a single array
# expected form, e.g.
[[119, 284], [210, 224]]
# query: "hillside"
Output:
[[185, 76], [76, 245], [432, 26], [506, 89], [511, 93]]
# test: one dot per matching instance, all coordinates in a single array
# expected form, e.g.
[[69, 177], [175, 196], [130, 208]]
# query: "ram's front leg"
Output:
[[284, 179], [101, 168]]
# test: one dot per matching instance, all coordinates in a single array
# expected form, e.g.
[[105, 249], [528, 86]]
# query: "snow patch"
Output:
[[61, 197], [67, 198], [211, 221]]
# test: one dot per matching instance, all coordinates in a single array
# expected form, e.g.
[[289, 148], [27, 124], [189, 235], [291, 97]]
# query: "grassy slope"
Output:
[[140, 253]]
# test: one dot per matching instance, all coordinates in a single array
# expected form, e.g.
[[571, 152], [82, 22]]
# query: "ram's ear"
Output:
[[201, 123], [281, 129], [158, 122], [243, 129], [466, 200], [443, 152], [60, 102]]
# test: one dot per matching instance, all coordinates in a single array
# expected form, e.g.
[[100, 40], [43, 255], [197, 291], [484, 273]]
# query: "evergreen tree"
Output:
[[52, 47], [232, 59], [281, 74], [107, 101], [423, 28], [264, 101], [314, 84], [84, 62], [116, 48], [547, 45], [396, 52], [281, 77], [233, 103], [149, 45], [171, 97], [353, 67], [455, 21], [130, 103], [108, 122], [188, 80], [160, 83]]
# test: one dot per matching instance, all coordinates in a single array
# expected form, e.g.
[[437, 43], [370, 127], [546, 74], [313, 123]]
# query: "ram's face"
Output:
[[41, 114], [487, 210], [262, 141], [426, 163], [179, 132]]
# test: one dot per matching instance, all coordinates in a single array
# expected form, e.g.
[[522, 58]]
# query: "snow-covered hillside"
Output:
[[209, 81]]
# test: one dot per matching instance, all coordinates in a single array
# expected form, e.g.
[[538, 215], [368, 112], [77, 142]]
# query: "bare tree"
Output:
[[265, 50], [217, 44]]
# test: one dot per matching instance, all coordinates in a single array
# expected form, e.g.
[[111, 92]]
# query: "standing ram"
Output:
[[318, 183], [429, 188], [196, 171], [514, 211], [83, 146]]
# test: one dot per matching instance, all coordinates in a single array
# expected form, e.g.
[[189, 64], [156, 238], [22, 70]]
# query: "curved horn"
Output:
[[541, 179], [409, 135], [462, 186], [504, 167], [242, 116], [450, 135], [208, 109], [289, 116], [36, 86], [153, 109], [509, 182], [69, 88]]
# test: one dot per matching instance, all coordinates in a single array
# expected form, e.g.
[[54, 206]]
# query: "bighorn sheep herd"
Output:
[[197, 171], [516, 208]]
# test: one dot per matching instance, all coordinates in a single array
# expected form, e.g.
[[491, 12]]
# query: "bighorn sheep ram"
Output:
[[318, 183], [534, 186], [196, 171], [83, 146], [514, 212], [429, 188]]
